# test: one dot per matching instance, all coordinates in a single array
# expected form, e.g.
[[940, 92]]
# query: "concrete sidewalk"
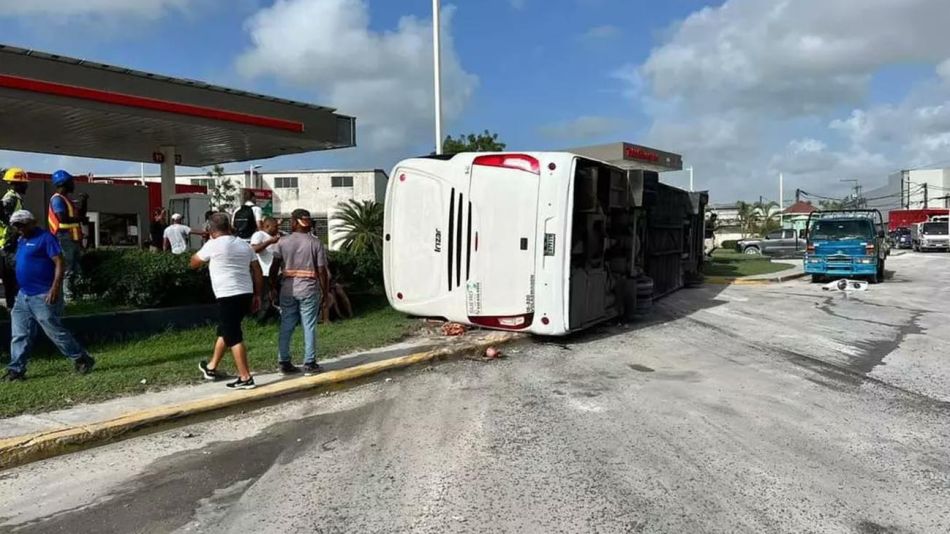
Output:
[[31, 437]]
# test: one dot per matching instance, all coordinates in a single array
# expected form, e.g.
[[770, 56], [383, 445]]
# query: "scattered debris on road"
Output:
[[454, 329]]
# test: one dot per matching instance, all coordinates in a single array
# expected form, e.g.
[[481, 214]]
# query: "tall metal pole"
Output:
[[781, 199], [691, 178], [437, 68]]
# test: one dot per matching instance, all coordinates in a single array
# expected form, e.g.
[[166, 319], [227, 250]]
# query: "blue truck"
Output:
[[845, 244]]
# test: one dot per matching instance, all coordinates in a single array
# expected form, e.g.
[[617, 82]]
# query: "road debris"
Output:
[[454, 329]]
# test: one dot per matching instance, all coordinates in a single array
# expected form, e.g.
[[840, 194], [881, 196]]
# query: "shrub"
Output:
[[142, 279], [729, 244], [360, 272]]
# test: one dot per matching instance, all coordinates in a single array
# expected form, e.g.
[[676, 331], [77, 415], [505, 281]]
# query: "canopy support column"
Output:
[[168, 174]]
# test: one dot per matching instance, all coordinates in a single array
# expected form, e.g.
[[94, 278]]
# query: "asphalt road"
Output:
[[779, 408]]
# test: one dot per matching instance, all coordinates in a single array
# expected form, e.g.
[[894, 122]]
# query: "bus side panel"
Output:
[[553, 249]]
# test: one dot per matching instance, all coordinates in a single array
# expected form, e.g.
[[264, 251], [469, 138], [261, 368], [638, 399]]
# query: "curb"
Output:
[[29, 448], [720, 280]]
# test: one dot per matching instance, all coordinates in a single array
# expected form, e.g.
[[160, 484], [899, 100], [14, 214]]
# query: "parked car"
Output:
[[901, 238], [776, 243]]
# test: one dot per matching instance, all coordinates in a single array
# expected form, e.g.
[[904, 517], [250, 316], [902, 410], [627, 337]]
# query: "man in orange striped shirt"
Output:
[[303, 259]]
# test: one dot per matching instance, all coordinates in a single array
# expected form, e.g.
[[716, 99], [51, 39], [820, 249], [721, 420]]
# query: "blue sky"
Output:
[[743, 89]]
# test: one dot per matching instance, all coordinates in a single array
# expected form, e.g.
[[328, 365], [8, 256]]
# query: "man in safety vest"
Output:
[[65, 218], [12, 202]]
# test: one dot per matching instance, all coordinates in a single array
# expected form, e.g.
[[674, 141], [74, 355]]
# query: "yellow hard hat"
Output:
[[15, 174]]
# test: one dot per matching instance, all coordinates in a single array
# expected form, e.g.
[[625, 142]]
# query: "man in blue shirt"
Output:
[[39, 271]]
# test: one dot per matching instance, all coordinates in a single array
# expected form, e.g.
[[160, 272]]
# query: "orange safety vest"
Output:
[[75, 229]]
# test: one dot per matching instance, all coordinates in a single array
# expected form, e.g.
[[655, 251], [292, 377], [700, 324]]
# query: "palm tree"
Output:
[[767, 213], [361, 223], [748, 217]]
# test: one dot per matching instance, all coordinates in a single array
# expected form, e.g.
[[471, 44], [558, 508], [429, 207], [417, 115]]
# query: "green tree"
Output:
[[483, 142], [768, 214], [831, 205], [361, 223], [748, 217], [223, 193]]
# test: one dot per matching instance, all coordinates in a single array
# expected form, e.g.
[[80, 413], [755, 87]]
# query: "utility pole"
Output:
[[781, 200], [690, 178], [906, 177], [798, 196], [926, 202], [437, 71]]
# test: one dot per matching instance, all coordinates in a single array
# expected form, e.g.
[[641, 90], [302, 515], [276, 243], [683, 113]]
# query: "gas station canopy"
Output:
[[633, 157], [60, 105]]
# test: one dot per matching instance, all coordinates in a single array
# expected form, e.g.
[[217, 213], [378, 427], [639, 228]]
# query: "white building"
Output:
[[924, 188], [318, 191], [728, 225]]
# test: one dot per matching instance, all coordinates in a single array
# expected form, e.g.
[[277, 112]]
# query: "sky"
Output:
[[819, 90]]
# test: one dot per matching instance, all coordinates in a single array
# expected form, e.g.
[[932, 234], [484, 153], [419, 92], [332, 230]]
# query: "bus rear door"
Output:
[[500, 293]]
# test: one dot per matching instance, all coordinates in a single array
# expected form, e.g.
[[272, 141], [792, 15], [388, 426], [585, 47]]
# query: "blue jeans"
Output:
[[294, 311], [27, 314]]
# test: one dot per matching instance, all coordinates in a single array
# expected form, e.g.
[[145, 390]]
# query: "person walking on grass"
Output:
[[40, 269], [264, 241], [236, 280], [303, 259]]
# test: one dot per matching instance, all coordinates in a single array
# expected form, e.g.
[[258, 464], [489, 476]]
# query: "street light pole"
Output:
[[690, 178], [781, 199], [437, 71]]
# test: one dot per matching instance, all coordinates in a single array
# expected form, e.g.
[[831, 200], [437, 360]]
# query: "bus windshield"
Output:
[[841, 230], [935, 228]]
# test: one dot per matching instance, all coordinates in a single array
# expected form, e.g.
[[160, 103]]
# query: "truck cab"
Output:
[[845, 244]]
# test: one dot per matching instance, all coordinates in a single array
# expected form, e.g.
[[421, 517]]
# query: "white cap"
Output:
[[21, 217], [176, 216]]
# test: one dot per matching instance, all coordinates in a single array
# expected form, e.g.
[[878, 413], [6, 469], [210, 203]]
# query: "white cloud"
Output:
[[752, 88], [150, 9], [383, 78], [518, 4], [793, 56], [584, 128]]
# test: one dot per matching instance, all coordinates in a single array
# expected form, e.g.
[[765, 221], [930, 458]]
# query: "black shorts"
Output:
[[231, 311]]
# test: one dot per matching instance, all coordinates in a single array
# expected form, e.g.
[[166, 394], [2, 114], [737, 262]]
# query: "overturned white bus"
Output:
[[542, 242]]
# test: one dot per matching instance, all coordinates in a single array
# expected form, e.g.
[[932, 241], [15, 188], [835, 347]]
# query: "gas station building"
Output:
[[60, 105]]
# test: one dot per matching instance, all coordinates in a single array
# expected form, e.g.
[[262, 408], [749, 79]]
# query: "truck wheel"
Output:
[[751, 250], [880, 271], [818, 279]]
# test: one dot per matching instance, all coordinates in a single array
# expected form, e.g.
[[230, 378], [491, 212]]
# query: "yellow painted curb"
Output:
[[28, 448], [720, 280]]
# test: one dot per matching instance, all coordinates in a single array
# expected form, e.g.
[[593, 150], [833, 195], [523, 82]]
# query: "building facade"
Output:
[[924, 188], [318, 191]]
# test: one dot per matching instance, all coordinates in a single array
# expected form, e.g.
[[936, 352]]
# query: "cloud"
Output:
[[518, 4], [148, 9], [583, 128], [793, 57], [749, 89], [601, 33], [384, 78]]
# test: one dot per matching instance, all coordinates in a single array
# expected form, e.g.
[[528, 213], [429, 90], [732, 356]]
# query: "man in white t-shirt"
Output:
[[264, 241], [237, 280], [176, 236]]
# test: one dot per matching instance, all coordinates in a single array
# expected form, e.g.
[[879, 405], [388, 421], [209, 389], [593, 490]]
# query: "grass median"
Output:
[[731, 264], [171, 359]]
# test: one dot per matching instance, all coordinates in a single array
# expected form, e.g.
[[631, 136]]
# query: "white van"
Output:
[[543, 242]]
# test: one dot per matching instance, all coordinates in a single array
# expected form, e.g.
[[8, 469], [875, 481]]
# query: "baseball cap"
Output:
[[302, 216], [21, 217], [176, 216]]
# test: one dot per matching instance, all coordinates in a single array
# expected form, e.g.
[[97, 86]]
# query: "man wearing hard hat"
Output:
[[11, 202], [65, 218]]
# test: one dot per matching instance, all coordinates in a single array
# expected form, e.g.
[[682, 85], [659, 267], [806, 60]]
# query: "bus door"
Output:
[[500, 293]]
